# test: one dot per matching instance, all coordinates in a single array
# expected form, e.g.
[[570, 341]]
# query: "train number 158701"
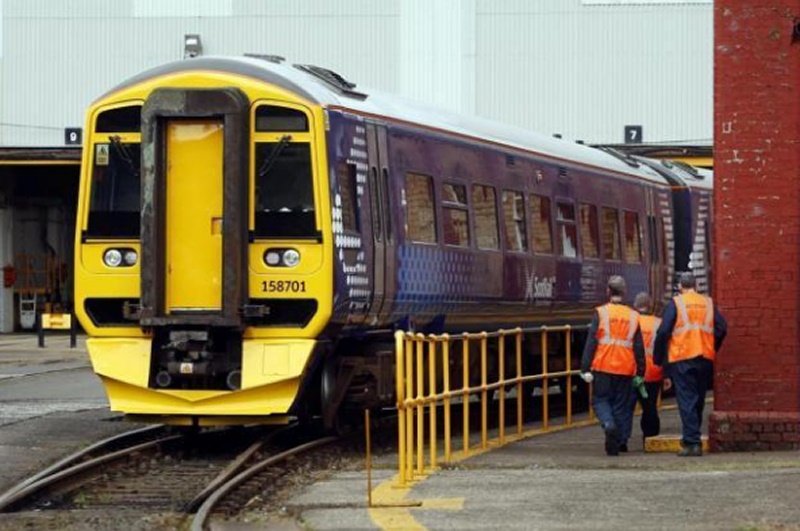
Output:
[[283, 286]]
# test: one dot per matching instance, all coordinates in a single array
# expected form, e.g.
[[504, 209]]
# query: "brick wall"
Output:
[[757, 223]]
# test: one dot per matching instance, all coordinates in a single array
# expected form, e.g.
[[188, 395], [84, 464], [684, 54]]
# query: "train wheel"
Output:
[[336, 378]]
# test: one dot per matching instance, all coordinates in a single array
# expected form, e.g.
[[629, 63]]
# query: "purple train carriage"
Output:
[[344, 214]]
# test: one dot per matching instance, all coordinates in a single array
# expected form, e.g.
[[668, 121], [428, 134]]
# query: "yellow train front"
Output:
[[202, 277]]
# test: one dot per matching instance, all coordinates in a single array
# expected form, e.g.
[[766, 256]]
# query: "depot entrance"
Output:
[[38, 201]]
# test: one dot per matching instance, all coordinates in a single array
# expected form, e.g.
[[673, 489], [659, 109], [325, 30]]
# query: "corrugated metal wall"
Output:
[[588, 70], [567, 66]]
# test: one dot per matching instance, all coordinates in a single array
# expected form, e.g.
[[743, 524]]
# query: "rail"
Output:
[[424, 381]]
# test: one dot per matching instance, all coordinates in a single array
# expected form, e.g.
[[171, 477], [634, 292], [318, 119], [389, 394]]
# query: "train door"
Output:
[[655, 259], [378, 192], [193, 243]]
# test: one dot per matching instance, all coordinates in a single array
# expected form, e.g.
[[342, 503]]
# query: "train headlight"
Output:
[[291, 258], [272, 258], [112, 258], [130, 257]]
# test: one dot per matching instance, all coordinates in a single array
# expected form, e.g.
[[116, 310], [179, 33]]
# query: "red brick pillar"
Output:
[[757, 223]]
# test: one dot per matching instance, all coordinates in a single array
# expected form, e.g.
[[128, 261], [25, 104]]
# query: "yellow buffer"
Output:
[[272, 371], [194, 215]]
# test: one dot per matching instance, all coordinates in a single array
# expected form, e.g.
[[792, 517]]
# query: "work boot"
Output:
[[612, 442], [691, 450]]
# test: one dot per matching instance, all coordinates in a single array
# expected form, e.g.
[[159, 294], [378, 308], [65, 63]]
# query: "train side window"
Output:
[[609, 221], [455, 216], [514, 221], [421, 220], [270, 118], [485, 207], [568, 232], [284, 190], [633, 241], [348, 187], [590, 232], [115, 204], [541, 227]]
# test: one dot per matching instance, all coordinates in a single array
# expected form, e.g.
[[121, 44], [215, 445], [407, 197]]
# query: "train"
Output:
[[250, 233]]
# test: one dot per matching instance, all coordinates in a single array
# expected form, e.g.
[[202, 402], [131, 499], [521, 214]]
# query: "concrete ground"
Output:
[[562, 480]]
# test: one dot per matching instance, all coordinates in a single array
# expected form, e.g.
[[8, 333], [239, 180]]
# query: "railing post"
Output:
[[465, 395], [545, 384], [569, 374], [400, 391], [519, 381], [446, 376], [420, 405], [484, 393], [430, 397], [501, 349], [409, 354]]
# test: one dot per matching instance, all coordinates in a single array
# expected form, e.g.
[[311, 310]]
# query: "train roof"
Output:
[[328, 89]]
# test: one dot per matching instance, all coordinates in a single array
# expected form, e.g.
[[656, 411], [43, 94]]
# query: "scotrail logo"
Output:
[[538, 288]]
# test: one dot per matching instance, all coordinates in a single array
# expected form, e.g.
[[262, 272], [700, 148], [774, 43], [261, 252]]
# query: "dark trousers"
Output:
[[613, 403], [691, 379], [650, 422]]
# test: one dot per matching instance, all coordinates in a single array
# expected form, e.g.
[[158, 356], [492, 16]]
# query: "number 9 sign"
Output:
[[73, 136]]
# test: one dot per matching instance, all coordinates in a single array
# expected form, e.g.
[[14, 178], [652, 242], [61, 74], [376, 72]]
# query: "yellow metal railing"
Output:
[[418, 354]]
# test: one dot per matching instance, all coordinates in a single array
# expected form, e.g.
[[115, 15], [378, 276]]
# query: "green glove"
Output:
[[638, 383]]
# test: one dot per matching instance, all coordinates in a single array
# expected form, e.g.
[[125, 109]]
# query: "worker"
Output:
[[691, 332], [653, 374], [612, 357]]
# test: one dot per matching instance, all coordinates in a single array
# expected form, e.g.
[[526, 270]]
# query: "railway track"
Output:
[[154, 475]]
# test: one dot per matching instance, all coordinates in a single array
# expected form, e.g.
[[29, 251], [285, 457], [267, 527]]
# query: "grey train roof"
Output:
[[316, 90]]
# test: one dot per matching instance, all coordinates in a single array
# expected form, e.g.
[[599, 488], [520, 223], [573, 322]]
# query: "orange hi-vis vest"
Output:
[[648, 324], [617, 326], [693, 334]]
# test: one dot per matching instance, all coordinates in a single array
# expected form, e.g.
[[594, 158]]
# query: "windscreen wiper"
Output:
[[124, 153], [269, 161]]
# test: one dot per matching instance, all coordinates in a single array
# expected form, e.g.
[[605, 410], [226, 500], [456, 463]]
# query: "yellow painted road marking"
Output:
[[668, 443], [443, 504]]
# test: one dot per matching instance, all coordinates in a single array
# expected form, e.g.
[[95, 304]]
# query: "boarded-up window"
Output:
[[514, 221], [633, 244], [421, 221], [567, 231], [609, 223], [541, 228], [348, 188], [485, 208], [455, 219], [590, 232]]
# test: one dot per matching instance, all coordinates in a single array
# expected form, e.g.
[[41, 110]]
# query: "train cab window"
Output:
[[514, 221], [485, 207], [541, 228], [421, 220], [115, 204], [590, 232], [455, 216], [121, 120], [284, 191], [568, 232], [633, 242], [348, 188], [609, 223], [270, 118]]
